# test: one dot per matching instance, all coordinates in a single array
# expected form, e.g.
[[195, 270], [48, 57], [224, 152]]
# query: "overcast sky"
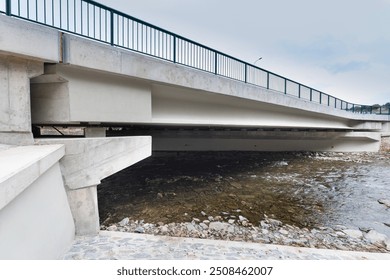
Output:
[[341, 47]]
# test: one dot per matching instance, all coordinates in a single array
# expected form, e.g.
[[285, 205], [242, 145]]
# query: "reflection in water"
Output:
[[302, 189]]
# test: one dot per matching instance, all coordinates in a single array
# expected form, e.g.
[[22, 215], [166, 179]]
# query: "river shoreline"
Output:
[[233, 224]]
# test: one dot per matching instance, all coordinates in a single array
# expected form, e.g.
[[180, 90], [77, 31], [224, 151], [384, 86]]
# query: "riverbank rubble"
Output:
[[269, 231]]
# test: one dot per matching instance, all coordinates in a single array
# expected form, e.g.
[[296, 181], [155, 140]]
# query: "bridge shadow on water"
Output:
[[301, 189]]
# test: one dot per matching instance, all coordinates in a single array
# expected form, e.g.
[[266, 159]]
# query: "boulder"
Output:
[[219, 226], [376, 238], [139, 230], [354, 233], [124, 222]]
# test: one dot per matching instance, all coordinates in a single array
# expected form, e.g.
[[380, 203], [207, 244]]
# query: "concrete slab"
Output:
[[89, 160], [21, 166]]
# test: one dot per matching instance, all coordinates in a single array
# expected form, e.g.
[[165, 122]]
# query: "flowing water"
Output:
[[302, 189]]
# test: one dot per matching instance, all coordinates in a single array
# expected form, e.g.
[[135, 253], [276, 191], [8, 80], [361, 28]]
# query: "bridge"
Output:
[[133, 88]]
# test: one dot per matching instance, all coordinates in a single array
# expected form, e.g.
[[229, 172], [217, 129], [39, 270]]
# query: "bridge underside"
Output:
[[189, 119], [249, 139]]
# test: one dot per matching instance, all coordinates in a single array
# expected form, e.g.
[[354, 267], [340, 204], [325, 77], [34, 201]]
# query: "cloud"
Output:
[[348, 67]]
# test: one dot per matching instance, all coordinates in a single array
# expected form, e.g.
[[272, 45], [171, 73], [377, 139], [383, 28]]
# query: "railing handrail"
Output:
[[214, 62]]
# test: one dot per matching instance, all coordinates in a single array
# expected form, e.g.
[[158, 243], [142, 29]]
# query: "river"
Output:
[[302, 189]]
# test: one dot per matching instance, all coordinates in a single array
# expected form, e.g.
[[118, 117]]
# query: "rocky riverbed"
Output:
[[316, 200], [270, 231]]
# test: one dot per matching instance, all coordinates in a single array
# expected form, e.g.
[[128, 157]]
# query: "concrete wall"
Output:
[[35, 217]]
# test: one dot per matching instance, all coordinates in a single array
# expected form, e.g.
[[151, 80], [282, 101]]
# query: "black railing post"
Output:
[[8, 10], [112, 28], [215, 63], [311, 94], [299, 90], [267, 80], [246, 70], [285, 86], [174, 49]]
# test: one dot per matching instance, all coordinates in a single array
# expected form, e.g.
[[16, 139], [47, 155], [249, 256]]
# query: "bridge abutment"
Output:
[[15, 109], [86, 162]]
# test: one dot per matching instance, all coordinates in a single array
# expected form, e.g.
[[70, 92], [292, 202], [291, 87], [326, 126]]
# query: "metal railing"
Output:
[[96, 21]]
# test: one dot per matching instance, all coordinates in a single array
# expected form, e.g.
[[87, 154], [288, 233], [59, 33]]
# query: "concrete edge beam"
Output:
[[80, 52], [22, 165], [25, 39], [88, 160]]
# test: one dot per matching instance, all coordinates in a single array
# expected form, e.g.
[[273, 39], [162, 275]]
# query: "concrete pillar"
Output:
[[84, 206], [15, 109], [92, 132]]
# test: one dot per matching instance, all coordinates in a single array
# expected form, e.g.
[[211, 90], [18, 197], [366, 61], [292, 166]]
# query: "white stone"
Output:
[[124, 222], [353, 233], [376, 238], [204, 226], [242, 218], [274, 222], [231, 221], [164, 229], [139, 230], [218, 226], [283, 231], [190, 227]]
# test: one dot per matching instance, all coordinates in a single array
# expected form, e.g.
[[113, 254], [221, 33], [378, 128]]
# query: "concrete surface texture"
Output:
[[20, 166], [72, 95], [35, 218], [15, 111], [89, 160], [25, 39], [133, 246]]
